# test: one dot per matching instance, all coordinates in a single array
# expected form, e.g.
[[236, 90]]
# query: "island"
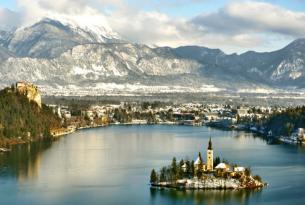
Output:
[[200, 175]]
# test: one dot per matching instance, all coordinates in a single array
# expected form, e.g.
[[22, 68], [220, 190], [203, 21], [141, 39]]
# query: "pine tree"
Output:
[[153, 177], [192, 169], [163, 174], [216, 161], [180, 169], [174, 169], [188, 168]]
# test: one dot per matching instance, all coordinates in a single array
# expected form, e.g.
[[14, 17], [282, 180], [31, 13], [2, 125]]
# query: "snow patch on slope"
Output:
[[94, 25], [292, 68], [115, 89]]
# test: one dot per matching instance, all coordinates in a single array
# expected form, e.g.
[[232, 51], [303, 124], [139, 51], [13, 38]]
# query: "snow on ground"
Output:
[[124, 89]]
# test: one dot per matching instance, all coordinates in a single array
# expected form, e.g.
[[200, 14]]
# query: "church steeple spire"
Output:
[[210, 144], [210, 163]]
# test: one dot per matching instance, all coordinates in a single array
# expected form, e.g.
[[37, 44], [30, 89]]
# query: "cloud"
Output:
[[155, 28], [9, 18], [147, 27], [33, 10], [253, 17], [63, 6], [237, 26]]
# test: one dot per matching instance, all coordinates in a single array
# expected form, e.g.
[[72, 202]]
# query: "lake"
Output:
[[111, 165]]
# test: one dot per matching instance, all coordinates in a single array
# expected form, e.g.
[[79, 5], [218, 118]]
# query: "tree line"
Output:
[[285, 122]]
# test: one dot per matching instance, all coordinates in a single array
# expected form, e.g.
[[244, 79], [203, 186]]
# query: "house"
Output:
[[222, 167], [242, 112], [211, 116], [301, 134], [239, 169], [184, 167]]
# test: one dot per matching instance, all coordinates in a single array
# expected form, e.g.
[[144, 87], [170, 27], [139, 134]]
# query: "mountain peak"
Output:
[[95, 25], [52, 35]]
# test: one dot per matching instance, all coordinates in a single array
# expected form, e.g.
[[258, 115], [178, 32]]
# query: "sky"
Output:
[[231, 25]]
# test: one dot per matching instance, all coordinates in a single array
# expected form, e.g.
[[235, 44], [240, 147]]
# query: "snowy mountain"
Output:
[[70, 54], [92, 63], [5, 54], [48, 38], [281, 68]]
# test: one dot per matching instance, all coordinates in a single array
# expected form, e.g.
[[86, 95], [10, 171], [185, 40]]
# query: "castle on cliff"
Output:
[[30, 90]]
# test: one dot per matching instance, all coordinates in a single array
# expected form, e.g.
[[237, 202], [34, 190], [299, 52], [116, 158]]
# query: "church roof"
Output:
[[210, 144], [198, 161], [222, 166]]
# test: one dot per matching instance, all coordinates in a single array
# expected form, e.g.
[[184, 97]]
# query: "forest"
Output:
[[21, 119], [285, 122]]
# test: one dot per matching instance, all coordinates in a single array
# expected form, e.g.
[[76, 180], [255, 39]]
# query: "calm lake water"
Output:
[[111, 165]]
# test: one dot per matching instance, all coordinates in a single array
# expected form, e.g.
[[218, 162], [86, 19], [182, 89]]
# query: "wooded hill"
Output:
[[284, 123], [24, 120]]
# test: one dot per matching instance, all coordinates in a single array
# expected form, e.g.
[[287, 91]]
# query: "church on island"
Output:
[[199, 164], [198, 174]]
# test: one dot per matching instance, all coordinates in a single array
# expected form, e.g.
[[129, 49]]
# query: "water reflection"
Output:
[[111, 166], [23, 162], [211, 197]]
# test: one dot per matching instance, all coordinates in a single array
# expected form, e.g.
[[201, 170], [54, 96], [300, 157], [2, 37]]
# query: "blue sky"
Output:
[[10, 4], [232, 25], [176, 8]]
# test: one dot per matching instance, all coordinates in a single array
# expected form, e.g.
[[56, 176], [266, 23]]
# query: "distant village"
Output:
[[247, 118], [82, 115]]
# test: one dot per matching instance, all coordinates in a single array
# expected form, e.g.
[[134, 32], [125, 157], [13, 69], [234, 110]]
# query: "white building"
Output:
[[242, 112], [239, 169], [223, 166]]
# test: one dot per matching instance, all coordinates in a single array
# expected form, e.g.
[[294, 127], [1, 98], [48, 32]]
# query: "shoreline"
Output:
[[7, 143], [212, 183]]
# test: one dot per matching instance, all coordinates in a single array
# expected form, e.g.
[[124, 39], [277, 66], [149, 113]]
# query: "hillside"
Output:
[[22, 120], [284, 123]]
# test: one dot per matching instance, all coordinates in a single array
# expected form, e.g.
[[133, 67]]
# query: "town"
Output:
[[275, 123], [256, 119]]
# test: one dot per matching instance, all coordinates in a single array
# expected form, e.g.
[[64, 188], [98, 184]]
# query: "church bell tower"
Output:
[[210, 157]]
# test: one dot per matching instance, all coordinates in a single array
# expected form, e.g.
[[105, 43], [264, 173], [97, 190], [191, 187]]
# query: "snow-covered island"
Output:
[[200, 175]]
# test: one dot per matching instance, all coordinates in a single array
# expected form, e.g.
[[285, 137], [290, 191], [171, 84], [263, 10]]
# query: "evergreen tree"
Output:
[[199, 173], [289, 128], [163, 174], [153, 176], [188, 172], [20, 117], [174, 169], [180, 169], [216, 161], [192, 169], [248, 171]]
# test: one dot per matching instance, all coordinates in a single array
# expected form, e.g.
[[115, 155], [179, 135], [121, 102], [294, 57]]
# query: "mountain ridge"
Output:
[[55, 53]]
